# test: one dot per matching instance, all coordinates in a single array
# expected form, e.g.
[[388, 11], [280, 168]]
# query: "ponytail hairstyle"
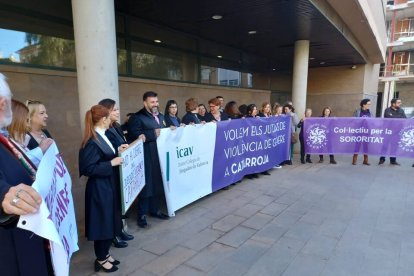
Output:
[[92, 117]]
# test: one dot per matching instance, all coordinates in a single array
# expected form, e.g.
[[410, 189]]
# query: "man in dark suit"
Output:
[[149, 121], [22, 252]]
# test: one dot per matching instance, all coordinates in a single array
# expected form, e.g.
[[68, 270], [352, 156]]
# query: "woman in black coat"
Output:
[[215, 115], [171, 114], [116, 137], [191, 117], [37, 124], [97, 161]]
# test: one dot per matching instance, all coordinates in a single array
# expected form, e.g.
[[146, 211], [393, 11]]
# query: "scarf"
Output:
[[15, 150]]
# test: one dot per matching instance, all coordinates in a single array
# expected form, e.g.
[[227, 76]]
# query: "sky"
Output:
[[10, 42]]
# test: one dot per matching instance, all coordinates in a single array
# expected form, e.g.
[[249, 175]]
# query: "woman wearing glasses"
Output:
[[215, 115]]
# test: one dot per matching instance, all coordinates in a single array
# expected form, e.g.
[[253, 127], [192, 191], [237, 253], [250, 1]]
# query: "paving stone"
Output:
[[263, 200], [391, 242], [270, 233], [169, 261], [344, 263], [379, 262], [287, 219], [311, 220], [321, 246], [302, 231], [196, 225], [237, 236], [131, 262], [257, 221], [227, 223], [305, 265], [274, 209], [277, 258], [183, 270], [248, 210], [165, 242], [210, 256], [333, 228], [202, 239], [313, 217]]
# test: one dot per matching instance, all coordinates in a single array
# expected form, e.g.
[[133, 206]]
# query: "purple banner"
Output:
[[373, 136], [247, 146]]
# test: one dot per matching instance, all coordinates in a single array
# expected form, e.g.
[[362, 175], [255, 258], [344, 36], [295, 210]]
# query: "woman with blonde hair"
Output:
[[266, 110], [37, 120], [277, 109], [98, 162]]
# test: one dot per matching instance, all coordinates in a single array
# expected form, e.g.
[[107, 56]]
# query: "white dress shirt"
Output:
[[101, 132]]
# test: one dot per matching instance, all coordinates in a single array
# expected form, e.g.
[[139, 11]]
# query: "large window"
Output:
[[143, 51], [35, 49]]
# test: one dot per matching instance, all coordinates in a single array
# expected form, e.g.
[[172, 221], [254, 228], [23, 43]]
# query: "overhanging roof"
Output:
[[278, 24]]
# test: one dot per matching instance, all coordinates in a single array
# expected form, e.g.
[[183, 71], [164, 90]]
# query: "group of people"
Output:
[[24, 139]]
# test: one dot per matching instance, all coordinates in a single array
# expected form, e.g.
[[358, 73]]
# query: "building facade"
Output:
[[397, 73], [71, 54]]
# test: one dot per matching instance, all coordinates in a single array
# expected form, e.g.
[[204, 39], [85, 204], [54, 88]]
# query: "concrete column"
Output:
[[300, 76], [96, 58], [385, 95], [189, 68], [388, 95], [245, 80]]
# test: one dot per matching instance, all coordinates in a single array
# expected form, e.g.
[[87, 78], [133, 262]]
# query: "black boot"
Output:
[[119, 243], [142, 221], [125, 236]]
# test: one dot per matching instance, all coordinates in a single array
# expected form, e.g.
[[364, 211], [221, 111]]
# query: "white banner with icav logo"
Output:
[[187, 163]]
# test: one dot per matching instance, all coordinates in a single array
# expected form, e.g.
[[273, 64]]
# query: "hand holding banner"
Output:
[[55, 219]]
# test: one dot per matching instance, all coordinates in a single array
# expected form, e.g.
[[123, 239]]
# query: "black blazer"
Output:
[[143, 122], [190, 117], [169, 122], [116, 136], [102, 216], [33, 143], [24, 252], [209, 117]]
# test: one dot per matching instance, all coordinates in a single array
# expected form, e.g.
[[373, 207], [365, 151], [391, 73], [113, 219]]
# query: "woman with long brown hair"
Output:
[[97, 161], [118, 141]]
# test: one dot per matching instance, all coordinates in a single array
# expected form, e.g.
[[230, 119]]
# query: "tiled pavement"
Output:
[[313, 219]]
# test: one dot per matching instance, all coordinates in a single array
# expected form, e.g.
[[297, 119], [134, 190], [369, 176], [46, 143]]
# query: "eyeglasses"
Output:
[[32, 102], [213, 106]]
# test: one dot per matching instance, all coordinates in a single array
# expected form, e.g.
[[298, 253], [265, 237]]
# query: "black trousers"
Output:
[[302, 150], [392, 159], [148, 205], [331, 157], [102, 249]]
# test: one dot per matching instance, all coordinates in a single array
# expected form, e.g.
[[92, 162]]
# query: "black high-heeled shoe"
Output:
[[99, 266], [114, 262]]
